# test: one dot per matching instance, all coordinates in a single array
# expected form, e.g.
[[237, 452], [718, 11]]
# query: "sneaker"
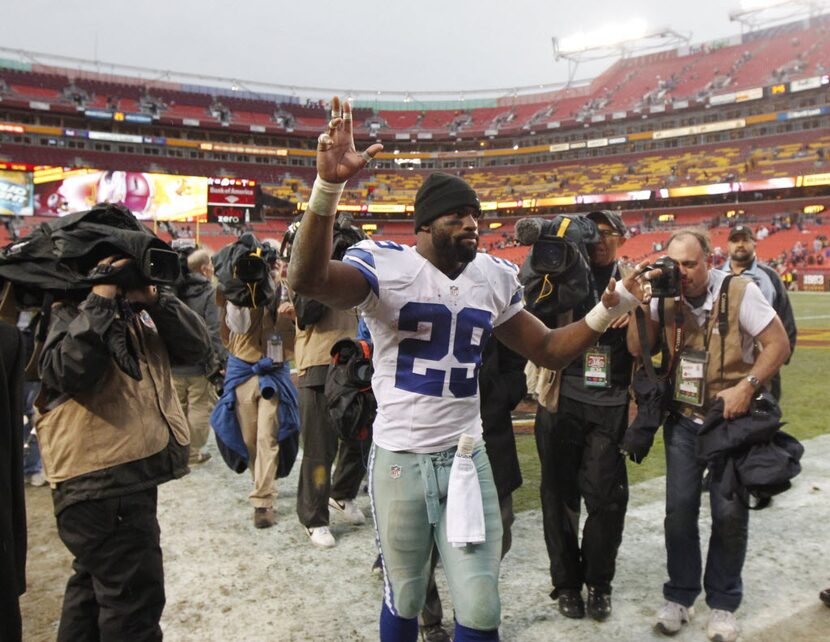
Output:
[[435, 633], [36, 479], [671, 618], [598, 604], [824, 596], [263, 517], [571, 603], [321, 536], [722, 627], [377, 567], [199, 458], [348, 509]]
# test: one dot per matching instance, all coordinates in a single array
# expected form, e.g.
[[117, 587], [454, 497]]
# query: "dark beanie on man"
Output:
[[441, 194]]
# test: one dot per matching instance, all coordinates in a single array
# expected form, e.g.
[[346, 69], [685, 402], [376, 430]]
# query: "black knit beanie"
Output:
[[441, 194]]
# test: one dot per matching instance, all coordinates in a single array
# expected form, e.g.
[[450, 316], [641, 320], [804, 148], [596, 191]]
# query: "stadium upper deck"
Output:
[[715, 73]]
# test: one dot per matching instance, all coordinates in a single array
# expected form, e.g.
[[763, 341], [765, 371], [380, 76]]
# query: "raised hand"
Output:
[[337, 158]]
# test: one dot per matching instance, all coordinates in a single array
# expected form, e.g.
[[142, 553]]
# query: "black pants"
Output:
[[580, 457], [117, 590], [320, 446]]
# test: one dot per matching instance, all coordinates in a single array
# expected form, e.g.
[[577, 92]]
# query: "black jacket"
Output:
[[12, 503], [750, 455], [198, 294], [75, 358], [782, 306], [502, 386]]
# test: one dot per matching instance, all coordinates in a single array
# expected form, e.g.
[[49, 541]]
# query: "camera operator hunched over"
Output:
[[430, 309], [707, 368], [108, 439]]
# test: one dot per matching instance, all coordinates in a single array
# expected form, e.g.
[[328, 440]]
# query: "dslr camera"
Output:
[[667, 284]]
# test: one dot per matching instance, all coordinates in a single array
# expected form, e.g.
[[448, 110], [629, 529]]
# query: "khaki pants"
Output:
[[258, 421], [197, 398]]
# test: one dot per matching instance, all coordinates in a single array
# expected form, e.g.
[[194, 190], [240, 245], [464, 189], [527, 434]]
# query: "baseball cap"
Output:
[[741, 230], [612, 218]]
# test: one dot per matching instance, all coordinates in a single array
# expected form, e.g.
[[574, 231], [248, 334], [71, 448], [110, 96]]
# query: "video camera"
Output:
[[667, 284], [556, 274], [155, 267], [255, 266]]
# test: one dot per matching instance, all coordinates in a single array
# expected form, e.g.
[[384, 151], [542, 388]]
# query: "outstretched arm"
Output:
[[556, 348], [311, 272]]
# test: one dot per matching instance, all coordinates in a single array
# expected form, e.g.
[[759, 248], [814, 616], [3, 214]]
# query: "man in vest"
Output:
[[108, 439], [742, 260], [707, 366], [251, 336], [319, 327], [578, 450]]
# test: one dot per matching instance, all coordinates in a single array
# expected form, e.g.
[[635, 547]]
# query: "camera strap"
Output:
[[669, 356], [547, 287], [723, 317]]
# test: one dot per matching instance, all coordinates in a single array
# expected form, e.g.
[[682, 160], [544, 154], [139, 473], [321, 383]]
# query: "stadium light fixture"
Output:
[[755, 5], [760, 14], [608, 35]]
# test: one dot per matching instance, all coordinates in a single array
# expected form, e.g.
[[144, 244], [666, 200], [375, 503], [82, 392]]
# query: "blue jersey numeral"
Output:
[[466, 348]]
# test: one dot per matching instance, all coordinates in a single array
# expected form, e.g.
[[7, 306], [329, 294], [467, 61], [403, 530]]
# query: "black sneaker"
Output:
[[435, 633], [824, 596], [571, 603], [599, 604]]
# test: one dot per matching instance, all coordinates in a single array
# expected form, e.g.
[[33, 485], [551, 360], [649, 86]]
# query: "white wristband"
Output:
[[325, 196], [600, 317]]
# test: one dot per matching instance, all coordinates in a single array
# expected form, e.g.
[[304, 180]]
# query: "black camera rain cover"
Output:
[[57, 256], [235, 289], [548, 294]]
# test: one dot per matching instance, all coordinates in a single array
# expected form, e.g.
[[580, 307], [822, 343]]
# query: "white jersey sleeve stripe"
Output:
[[365, 262]]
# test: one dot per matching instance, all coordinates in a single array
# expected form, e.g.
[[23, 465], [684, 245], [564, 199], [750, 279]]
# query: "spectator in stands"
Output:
[[197, 394], [579, 451], [743, 260], [730, 371], [107, 441]]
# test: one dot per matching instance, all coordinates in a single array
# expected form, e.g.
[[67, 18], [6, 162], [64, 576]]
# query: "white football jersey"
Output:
[[429, 332]]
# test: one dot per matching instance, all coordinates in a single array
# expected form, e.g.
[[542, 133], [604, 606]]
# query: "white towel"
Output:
[[465, 510]]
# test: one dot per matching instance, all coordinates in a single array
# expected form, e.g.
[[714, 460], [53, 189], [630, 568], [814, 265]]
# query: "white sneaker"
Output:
[[722, 627], [37, 479], [321, 536], [349, 509], [672, 617]]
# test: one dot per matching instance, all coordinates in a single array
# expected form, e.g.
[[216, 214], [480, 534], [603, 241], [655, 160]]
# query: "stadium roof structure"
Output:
[[612, 41], [760, 14]]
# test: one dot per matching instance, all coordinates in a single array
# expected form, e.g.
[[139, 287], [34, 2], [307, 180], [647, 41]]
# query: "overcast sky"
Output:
[[392, 45]]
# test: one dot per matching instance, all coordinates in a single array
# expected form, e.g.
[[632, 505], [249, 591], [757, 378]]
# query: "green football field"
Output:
[[806, 386]]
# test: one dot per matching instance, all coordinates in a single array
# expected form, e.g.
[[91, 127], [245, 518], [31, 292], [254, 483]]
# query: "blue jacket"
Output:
[[272, 380]]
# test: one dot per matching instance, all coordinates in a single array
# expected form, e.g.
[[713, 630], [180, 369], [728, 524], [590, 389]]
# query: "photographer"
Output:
[[708, 365], [111, 430], [257, 377], [193, 383], [578, 449]]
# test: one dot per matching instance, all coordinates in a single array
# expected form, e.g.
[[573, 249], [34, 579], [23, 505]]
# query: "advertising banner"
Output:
[[15, 193], [148, 196]]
